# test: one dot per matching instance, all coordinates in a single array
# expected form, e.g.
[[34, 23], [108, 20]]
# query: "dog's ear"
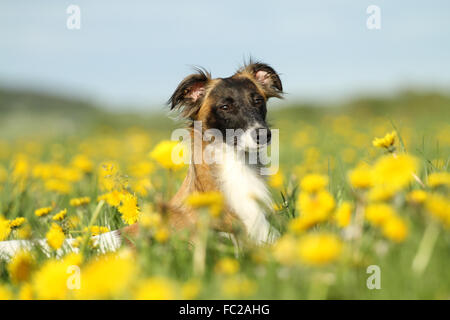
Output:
[[190, 93], [265, 76]]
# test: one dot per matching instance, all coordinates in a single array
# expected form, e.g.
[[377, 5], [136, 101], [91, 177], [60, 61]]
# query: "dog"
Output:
[[236, 103], [233, 104]]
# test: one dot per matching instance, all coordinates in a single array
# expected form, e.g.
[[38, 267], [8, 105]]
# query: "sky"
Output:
[[133, 54]]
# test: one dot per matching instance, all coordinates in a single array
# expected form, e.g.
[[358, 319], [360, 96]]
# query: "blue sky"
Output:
[[134, 53]]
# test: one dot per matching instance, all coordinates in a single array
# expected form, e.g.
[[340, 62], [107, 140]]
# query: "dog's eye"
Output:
[[258, 100], [224, 107]]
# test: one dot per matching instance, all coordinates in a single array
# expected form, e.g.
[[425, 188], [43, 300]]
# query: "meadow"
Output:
[[363, 183]]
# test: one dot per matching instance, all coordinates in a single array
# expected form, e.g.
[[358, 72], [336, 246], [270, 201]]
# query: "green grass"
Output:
[[329, 140]]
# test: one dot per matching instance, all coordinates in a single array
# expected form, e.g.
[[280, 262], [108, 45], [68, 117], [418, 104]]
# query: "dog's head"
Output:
[[237, 102]]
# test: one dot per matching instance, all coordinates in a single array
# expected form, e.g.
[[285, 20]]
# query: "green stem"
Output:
[[425, 250], [94, 217]]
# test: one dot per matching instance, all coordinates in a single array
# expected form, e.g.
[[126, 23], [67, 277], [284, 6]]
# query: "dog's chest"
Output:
[[246, 194]]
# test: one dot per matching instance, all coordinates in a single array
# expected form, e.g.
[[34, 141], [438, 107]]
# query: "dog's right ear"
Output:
[[190, 93]]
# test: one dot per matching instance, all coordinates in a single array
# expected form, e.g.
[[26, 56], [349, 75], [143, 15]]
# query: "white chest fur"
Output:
[[246, 194]]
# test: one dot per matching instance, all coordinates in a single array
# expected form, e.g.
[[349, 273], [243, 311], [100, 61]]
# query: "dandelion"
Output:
[[313, 208], [437, 179], [60, 215], [379, 213], [55, 237], [314, 183], [285, 250], [129, 209], [156, 288], [343, 214], [227, 266], [20, 266], [50, 281], [361, 177], [106, 277], [319, 249], [386, 142], [5, 294], [162, 234], [190, 290], [5, 228], [395, 172], [83, 163], [395, 229], [26, 292], [76, 202], [417, 196], [169, 154], [212, 200], [112, 198], [381, 193], [43, 211], [17, 223], [276, 180], [96, 230], [439, 207], [59, 186]]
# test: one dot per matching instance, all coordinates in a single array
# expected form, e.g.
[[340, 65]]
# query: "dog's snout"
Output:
[[261, 135]]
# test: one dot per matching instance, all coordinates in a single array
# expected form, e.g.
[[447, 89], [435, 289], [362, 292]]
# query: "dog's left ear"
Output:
[[266, 77]]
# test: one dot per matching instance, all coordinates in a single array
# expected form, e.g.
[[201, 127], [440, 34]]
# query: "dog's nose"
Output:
[[261, 135]]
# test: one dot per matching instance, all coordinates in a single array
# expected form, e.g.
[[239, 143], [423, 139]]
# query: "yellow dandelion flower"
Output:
[[169, 154], [285, 250], [190, 290], [5, 293], [276, 180], [156, 288], [55, 237], [59, 186], [361, 177], [417, 196], [437, 179], [212, 200], [129, 209], [26, 292], [381, 193], [439, 207], [50, 281], [313, 208], [386, 142], [395, 229], [96, 230], [150, 219], [112, 198], [82, 162], [43, 211], [76, 202], [379, 213], [20, 266], [314, 183], [227, 266], [319, 249], [162, 234], [60, 215], [106, 277], [5, 228], [395, 172], [17, 222], [343, 214]]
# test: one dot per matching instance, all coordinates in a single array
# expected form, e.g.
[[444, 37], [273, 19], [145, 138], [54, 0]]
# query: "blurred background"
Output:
[[132, 54]]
